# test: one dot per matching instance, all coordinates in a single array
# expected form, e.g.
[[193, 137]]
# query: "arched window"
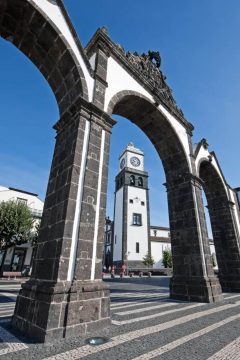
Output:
[[140, 181], [132, 180]]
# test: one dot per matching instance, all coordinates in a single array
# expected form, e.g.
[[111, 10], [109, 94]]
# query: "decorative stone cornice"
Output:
[[144, 68]]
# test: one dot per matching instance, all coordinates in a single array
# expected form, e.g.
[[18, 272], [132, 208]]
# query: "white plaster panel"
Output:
[[55, 15], [118, 80], [28, 256], [137, 233], [157, 249], [235, 209], [159, 232], [203, 154], [92, 61], [33, 202], [118, 226], [180, 131]]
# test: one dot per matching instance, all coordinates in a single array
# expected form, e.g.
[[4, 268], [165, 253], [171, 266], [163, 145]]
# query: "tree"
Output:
[[148, 260], [16, 223], [167, 258]]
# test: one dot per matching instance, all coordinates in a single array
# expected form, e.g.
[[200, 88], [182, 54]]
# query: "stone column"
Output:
[[226, 241], [65, 295], [193, 278]]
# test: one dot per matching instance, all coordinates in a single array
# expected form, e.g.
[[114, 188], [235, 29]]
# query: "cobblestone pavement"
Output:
[[146, 324]]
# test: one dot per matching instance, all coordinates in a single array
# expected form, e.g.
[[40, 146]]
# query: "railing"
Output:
[[36, 213]]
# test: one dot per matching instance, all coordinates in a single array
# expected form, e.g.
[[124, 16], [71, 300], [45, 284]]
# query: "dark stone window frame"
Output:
[[137, 219], [137, 248], [132, 180], [140, 181]]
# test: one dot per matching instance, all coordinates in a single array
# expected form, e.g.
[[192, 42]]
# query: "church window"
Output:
[[140, 181], [142, 203], [137, 219], [137, 248], [131, 201], [132, 180]]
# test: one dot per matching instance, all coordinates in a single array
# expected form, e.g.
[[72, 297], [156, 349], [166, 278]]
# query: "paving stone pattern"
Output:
[[147, 324]]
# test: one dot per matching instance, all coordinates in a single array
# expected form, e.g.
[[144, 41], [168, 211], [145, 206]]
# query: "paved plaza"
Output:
[[146, 324]]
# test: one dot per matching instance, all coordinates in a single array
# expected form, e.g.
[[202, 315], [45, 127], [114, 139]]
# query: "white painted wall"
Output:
[[160, 232], [204, 154], [118, 226], [137, 233], [235, 209], [157, 249], [55, 15], [118, 80], [33, 202]]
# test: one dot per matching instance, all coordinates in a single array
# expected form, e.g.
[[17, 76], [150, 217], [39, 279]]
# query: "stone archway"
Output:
[[193, 278], [66, 273], [48, 302], [223, 226], [32, 32]]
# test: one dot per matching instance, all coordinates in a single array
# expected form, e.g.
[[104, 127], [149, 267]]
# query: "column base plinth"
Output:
[[48, 311], [230, 283], [198, 289]]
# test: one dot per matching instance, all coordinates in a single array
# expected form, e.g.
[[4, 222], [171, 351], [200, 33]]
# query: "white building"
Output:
[[133, 237], [131, 214], [130, 233], [17, 258], [160, 240]]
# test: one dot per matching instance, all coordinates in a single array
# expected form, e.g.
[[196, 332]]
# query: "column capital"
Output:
[[89, 111], [183, 178]]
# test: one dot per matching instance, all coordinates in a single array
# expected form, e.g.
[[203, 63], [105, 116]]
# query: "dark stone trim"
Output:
[[75, 35], [160, 239], [124, 228], [88, 110], [159, 227], [111, 48]]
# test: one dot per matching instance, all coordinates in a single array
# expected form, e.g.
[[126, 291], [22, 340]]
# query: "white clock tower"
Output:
[[131, 210]]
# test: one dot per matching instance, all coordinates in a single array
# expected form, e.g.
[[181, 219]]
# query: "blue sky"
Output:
[[199, 45]]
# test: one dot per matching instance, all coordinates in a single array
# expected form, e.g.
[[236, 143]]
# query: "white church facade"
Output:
[[133, 237], [130, 237]]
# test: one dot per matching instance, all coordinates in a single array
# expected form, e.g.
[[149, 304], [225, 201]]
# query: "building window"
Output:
[[115, 239], [132, 180], [140, 181], [131, 201], [155, 232], [142, 203], [137, 219], [137, 248], [22, 201]]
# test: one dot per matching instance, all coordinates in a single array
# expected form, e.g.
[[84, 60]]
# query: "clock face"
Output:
[[135, 161], [122, 163]]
